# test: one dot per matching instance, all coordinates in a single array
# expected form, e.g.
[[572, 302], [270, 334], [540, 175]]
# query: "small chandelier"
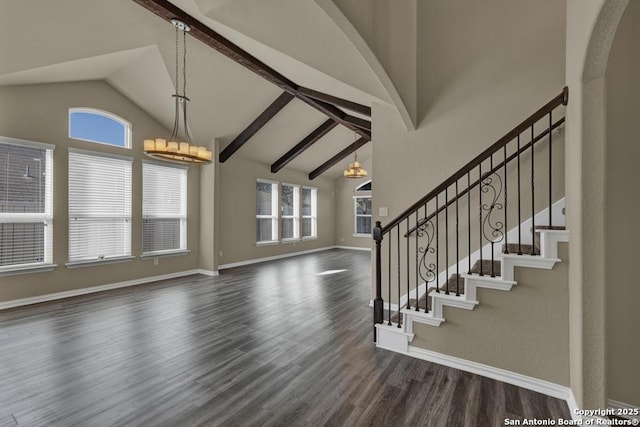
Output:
[[355, 170], [174, 149]]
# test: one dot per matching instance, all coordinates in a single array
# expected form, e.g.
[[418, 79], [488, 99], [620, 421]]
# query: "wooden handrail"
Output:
[[485, 175], [561, 99]]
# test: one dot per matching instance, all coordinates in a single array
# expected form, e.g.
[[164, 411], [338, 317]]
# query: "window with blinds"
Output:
[[26, 199], [164, 208], [99, 206], [363, 215], [290, 206], [309, 212], [266, 211]]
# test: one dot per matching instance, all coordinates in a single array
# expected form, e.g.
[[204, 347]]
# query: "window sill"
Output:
[[27, 269], [292, 240], [94, 262], [310, 238], [363, 235], [269, 243], [165, 253]]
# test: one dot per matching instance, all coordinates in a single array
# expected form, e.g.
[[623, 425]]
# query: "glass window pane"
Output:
[[21, 243], [263, 198], [363, 225], [287, 228], [306, 201], [287, 200], [363, 206], [97, 127], [306, 227], [264, 231], [22, 179], [161, 234]]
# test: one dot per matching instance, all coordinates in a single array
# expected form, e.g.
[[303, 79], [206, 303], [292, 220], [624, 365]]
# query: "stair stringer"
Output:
[[394, 338]]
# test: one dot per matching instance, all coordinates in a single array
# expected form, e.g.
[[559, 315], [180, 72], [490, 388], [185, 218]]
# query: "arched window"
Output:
[[366, 186], [99, 126]]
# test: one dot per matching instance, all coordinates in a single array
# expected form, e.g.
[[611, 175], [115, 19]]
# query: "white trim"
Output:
[[100, 153], [572, 403], [84, 291], [362, 235], [616, 406], [94, 262], [211, 273], [530, 383], [158, 254], [271, 258], [353, 248], [26, 143], [27, 269], [267, 243]]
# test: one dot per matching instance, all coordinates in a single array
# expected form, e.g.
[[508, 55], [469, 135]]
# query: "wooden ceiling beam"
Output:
[[168, 11], [337, 158], [307, 142], [339, 102], [255, 126], [357, 121]]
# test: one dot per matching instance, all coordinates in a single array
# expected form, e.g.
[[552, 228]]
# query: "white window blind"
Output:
[[26, 199], [164, 208], [309, 212], [290, 205], [363, 213], [266, 211], [99, 206]]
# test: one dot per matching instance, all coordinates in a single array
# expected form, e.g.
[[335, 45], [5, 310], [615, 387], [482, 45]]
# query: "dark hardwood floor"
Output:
[[272, 344]]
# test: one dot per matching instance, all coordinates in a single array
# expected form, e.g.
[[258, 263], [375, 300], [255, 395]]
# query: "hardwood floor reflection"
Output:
[[270, 344]]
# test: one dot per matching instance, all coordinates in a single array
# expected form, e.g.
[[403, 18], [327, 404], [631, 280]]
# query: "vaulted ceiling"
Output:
[[131, 48]]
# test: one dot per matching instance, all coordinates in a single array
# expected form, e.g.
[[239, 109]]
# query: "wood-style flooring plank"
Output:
[[270, 344]]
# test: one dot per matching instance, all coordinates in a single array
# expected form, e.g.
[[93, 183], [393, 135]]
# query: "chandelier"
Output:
[[175, 149], [355, 170]]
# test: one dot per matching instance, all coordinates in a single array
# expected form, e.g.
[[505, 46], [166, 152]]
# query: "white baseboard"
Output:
[[83, 291], [209, 272], [272, 258], [353, 248], [524, 381]]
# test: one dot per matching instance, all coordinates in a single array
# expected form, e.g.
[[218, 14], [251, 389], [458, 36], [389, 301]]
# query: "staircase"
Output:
[[498, 212]]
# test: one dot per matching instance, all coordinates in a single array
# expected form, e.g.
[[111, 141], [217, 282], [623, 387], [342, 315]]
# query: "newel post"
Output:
[[378, 303]]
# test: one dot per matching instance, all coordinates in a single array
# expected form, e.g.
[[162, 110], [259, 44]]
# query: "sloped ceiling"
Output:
[[43, 41]]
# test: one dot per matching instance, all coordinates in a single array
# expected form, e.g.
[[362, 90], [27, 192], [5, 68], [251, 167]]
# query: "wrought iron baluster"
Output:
[[506, 228], [446, 238], [398, 262], [457, 246], [469, 218], [550, 167], [480, 222], [437, 245], [519, 202], [389, 273], [533, 196], [408, 272], [418, 256]]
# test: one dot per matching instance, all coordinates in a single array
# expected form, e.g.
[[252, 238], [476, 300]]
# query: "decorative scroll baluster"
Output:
[[437, 246], [427, 269], [492, 186]]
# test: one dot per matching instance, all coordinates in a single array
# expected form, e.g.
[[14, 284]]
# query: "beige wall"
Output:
[[622, 204], [345, 222], [525, 330], [237, 211], [40, 113]]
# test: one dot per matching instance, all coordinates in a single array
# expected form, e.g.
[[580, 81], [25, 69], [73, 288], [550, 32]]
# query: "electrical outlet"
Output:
[[220, 254], [156, 261]]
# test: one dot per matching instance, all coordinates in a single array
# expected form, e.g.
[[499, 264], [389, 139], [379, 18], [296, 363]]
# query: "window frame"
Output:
[[103, 113], [356, 215], [314, 213], [182, 217], [275, 200], [45, 217], [296, 213], [80, 262]]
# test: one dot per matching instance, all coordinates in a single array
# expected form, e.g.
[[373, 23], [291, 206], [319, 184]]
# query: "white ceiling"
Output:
[[44, 41]]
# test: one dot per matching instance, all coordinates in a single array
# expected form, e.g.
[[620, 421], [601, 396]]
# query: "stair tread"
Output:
[[515, 248], [550, 227]]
